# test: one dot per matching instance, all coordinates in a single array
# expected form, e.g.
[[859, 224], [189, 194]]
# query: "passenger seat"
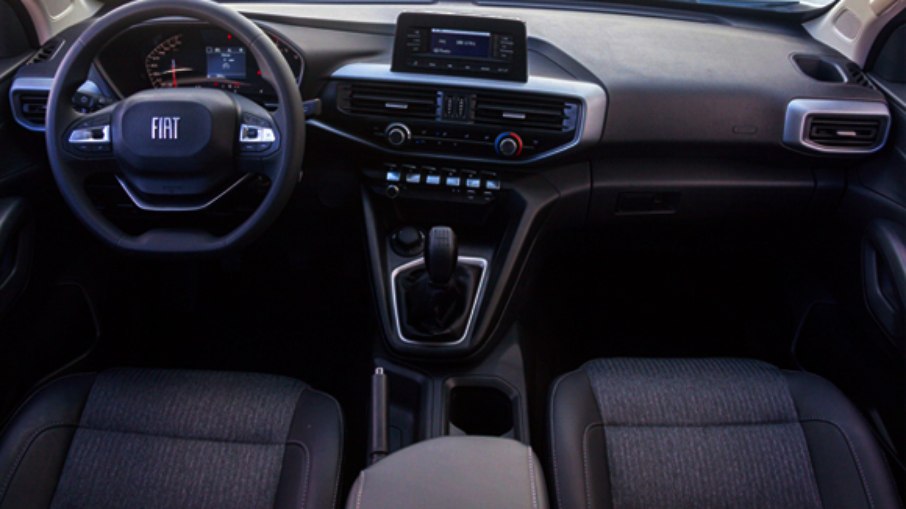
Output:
[[701, 433]]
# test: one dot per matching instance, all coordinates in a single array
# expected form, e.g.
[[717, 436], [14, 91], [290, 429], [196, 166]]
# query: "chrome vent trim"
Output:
[[803, 114], [28, 88]]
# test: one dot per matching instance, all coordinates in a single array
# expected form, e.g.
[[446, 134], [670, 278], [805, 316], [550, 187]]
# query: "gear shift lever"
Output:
[[441, 255]]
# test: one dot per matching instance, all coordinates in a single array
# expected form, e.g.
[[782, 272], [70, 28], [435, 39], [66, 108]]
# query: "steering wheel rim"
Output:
[[288, 120]]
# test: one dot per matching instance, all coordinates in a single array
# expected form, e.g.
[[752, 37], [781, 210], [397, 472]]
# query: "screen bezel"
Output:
[[518, 66]]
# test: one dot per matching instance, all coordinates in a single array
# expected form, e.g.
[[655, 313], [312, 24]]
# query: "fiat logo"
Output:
[[165, 128]]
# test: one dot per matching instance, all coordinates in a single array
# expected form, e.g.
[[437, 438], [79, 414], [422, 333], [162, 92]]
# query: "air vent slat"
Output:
[[845, 132], [525, 110], [399, 101], [32, 107]]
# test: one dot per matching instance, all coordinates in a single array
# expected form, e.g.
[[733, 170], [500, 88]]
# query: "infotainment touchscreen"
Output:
[[461, 45]]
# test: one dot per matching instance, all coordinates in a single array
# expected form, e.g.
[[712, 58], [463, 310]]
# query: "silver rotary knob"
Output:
[[397, 134]]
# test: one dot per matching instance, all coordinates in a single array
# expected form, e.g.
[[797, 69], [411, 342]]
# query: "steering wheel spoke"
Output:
[[88, 142], [259, 140]]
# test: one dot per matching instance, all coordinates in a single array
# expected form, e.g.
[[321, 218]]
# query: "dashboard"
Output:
[[513, 86], [189, 54]]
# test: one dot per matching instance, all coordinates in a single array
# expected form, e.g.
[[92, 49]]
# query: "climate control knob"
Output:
[[508, 144], [397, 134]]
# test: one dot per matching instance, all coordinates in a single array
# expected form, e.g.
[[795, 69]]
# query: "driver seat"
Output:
[[171, 438]]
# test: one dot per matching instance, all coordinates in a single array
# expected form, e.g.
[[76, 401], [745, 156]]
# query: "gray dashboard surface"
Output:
[[668, 80]]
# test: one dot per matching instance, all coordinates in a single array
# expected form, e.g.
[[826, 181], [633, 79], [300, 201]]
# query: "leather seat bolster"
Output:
[[850, 468], [310, 475], [577, 447], [34, 444]]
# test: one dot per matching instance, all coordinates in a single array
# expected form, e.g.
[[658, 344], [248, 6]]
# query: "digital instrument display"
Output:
[[460, 43], [228, 62]]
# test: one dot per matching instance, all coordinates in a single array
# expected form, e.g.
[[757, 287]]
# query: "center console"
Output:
[[453, 132], [453, 472]]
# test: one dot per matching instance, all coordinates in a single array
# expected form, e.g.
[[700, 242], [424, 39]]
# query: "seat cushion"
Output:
[[169, 438], [653, 433]]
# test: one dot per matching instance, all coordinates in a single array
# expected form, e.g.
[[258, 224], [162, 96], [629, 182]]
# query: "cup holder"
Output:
[[485, 407]]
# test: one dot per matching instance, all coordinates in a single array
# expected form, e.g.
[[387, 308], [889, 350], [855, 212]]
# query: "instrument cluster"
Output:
[[189, 55]]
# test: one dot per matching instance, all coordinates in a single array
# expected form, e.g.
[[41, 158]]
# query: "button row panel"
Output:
[[435, 182], [451, 178]]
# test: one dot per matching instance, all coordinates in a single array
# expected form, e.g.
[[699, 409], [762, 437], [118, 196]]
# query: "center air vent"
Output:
[[30, 107], [386, 99], [831, 131], [529, 111]]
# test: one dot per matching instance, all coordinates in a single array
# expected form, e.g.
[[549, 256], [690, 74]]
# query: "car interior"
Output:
[[452, 254]]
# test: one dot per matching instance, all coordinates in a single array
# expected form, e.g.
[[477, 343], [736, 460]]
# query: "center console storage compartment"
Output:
[[453, 473]]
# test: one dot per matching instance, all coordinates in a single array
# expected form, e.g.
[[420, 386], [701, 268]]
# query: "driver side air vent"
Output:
[[830, 131], [46, 52], [528, 111], [387, 99], [30, 108]]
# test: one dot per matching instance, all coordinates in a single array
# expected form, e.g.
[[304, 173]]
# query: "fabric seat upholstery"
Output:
[[169, 438], [663, 433]]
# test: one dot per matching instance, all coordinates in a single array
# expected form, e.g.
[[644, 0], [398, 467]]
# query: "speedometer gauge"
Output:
[[161, 63]]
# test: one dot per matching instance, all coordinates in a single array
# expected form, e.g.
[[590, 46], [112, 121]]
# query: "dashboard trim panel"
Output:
[[588, 132]]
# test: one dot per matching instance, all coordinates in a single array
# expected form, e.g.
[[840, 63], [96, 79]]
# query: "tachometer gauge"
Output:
[[163, 63]]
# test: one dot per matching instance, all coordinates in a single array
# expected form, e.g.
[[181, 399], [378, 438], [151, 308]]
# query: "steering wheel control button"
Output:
[[398, 134], [256, 134]]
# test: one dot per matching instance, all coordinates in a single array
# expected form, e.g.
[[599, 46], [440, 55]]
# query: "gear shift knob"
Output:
[[441, 254]]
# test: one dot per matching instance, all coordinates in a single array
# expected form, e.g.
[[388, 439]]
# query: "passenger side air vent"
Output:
[[522, 110], [829, 131], [46, 52], [388, 99], [31, 107], [836, 126]]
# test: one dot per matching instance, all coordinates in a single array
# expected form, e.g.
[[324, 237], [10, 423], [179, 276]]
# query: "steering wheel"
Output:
[[177, 149]]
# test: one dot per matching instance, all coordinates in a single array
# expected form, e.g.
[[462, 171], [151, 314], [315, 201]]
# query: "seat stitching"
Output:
[[585, 470], [176, 437], [338, 473], [553, 427], [21, 455], [852, 452], [358, 498], [706, 425], [305, 482], [531, 470]]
